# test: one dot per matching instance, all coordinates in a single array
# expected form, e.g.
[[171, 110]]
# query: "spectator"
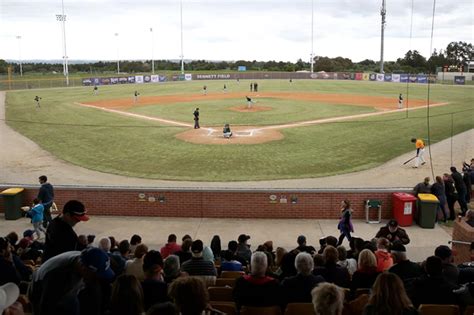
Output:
[[345, 223], [269, 248], [423, 187], [171, 247], [120, 257], [230, 260], [319, 261], [105, 245], [185, 253], [332, 272], [288, 265], [440, 192], [450, 271], [154, 287], [207, 254], [302, 247], [57, 283], [349, 263], [393, 233], [198, 267], [190, 295], [127, 296], [46, 196], [403, 267], [36, 215], [171, 269], [243, 249], [8, 270], [451, 195], [90, 240], [81, 242], [216, 246], [432, 288], [60, 235], [466, 177], [135, 240], [388, 297], [113, 244], [9, 294], [384, 259], [257, 289], [297, 289], [460, 188], [328, 299], [366, 273], [135, 266]]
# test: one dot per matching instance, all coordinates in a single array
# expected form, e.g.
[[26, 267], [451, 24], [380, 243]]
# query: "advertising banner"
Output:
[[188, 77], [139, 79], [380, 77], [241, 68], [358, 76], [395, 78], [404, 78], [87, 82], [343, 76], [114, 80], [372, 77], [422, 78], [388, 77], [413, 78], [131, 79], [460, 79], [146, 78], [211, 76], [95, 81], [105, 81], [123, 80], [162, 78], [365, 76], [154, 78]]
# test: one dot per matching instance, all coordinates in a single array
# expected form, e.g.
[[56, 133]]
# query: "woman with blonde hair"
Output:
[[328, 299], [389, 297], [366, 273]]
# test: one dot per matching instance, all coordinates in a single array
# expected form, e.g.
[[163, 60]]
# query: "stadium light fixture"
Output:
[[118, 60], [19, 54], [62, 18]]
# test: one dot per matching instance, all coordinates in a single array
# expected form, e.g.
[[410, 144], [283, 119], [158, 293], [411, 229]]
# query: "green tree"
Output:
[[459, 53]]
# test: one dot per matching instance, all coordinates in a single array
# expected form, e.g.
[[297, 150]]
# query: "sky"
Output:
[[228, 29]]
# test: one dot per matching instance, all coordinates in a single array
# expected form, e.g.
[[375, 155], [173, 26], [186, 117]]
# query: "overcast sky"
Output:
[[228, 29]]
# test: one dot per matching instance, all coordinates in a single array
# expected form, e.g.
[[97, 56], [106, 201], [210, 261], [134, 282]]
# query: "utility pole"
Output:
[[152, 48], [118, 59], [383, 12], [19, 54], [312, 36], [182, 55]]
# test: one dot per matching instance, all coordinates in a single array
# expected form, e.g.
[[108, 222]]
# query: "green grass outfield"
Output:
[[116, 144]]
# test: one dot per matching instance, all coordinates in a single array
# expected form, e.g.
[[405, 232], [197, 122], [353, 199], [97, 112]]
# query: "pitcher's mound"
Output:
[[253, 109], [241, 135]]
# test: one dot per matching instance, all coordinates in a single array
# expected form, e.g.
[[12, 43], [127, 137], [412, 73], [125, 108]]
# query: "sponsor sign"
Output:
[[87, 82], [413, 78], [105, 81], [460, 79], [211, 76], [131, 79], [388, 77], [188, 77], [162, 78], [422, 78], [404, 77], [241, 68], [358, 76], [146, 78], [123, 80], [139, 79], [372, 77], [114, 80], [95, 81], [380, 77], [155, 78], [395, 78], [365, 76]]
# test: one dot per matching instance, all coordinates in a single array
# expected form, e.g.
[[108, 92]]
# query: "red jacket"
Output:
[[384, 260], [169, 249]]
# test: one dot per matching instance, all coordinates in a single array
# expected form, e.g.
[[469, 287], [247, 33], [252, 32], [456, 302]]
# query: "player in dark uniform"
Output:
[[135, 96], [400, 101], [196, 118], [37, 100]]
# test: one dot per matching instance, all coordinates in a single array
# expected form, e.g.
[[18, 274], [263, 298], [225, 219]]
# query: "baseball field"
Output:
[[299, 129]]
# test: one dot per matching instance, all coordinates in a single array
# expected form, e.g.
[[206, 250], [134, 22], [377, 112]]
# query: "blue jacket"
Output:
[[36, 213]]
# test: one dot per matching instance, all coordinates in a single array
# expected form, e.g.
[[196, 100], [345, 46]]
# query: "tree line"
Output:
[[455, 57]]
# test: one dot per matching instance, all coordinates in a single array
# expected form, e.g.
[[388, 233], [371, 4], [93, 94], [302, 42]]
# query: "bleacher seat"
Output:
[[435, 309], [269, 310], [220, 294], [222, 282], [300, 309], [232, 274], [226, 307]]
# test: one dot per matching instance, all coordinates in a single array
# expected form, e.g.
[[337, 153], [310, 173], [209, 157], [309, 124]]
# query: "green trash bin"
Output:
[[13, 199], [427, 210]]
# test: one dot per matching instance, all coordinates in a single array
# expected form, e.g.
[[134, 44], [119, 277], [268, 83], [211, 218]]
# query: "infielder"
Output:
[[37, 100], [400, 101], [420, 151], [204, 90], [96, 90], [135, 96], [249, 102]]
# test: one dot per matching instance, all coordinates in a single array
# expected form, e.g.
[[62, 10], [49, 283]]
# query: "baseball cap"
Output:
[[393, 223], [9, 293], [443, 251], [197, 246], [96, 260], [242, 238], [76, 209], [398, 247], [301, 239]]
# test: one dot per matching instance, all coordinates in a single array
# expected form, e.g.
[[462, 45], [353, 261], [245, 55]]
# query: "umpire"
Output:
[[196, 118]]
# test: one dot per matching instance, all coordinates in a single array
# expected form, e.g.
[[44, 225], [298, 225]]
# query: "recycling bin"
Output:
[[13, 199], [403, 206]]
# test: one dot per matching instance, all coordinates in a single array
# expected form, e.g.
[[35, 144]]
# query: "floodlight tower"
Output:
[[182, 55], [118, 59], [19, 54], [152, 57], [383, 12], [312, 36], [62, 18]]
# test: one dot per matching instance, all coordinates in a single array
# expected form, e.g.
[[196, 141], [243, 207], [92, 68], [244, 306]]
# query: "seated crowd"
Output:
[[70, 274]]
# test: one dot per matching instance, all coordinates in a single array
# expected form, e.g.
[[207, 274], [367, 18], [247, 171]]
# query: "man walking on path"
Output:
[[46, 195]]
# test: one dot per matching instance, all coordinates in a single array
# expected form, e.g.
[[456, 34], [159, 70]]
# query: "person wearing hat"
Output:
[[60, 235], [9, 293], [393, 233], [450, 271], [243, 249], [403, 267], [57, 285], [198, 266]]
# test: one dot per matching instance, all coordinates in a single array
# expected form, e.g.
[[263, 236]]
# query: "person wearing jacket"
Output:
[[393, 233], [36, 215]]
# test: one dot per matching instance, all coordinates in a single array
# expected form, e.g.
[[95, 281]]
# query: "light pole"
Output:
[[182, 55], [62, 18], [19, 54], [312, 36], [383, 12], [118, 60], [152, 57]]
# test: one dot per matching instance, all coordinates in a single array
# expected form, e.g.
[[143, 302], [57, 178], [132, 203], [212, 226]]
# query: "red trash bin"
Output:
[[403, 206]]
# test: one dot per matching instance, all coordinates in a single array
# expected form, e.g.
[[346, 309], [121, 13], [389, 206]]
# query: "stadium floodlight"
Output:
[[182, 55], [19, 54], [152, 57], [383, 12], [312, 36], [118, 60], [62, 18]]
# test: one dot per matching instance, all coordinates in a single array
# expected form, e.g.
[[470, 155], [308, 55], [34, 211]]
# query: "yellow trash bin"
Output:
[[13, 200]]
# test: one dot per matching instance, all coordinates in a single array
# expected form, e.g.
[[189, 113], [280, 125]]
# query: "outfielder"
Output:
[[37, 100], [420, 151], [400, 101], [135, 96]]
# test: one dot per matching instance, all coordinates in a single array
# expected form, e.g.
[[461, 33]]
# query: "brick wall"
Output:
[[462, 232], [217, 203]]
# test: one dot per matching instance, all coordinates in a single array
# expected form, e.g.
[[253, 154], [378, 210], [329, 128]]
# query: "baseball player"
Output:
[[400, 101], [225, 88], [135, 96], [226, 131], [96, 90], [249, 102], [420, 151], [37, 100], [204, 90], [196, 118]]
